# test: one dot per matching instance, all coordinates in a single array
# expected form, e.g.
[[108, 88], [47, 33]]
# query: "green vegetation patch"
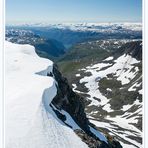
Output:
[[118, 97]]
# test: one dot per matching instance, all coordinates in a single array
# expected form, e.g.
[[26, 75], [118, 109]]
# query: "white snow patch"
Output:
[[140, 91], [69, 120], [126, 107], [78, 75], [98, 134], [124, 123], [125, 62], [108, 89], [92, 84], [107, 107], [109, 58], [75, 87], [134, 86]]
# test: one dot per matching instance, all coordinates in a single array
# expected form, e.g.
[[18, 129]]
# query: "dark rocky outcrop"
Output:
[[69, 101], [72, 103], [132, 48]]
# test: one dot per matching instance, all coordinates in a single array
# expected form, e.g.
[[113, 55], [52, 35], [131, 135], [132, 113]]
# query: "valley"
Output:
[[99, 79], [111, 86]]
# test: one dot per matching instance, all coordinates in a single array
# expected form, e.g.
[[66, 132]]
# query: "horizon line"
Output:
[[70, 22]]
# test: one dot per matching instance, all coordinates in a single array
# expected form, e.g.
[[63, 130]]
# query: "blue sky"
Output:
[[57, 11]]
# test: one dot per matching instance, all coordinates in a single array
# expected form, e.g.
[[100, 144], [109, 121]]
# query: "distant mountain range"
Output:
[[100, 27], [49, 48], [70, 34]]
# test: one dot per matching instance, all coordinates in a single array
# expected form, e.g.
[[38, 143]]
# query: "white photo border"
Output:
[[145, 71]]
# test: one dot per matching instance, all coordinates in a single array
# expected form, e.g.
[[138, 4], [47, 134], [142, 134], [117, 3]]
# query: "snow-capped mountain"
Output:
[[72, 33], [41, 110], [108, 75], [98, 27], [99, 104], [30, 121]]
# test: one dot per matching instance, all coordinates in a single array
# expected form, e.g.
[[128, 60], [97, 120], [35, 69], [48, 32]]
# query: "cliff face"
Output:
[[72, 103], [69, 101]]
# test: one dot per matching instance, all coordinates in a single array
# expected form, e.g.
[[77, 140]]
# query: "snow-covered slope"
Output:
[[29, 120], [113, 92], [122, 70]]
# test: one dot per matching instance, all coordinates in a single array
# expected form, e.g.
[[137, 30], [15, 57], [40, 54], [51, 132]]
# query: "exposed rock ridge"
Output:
[[72, 103]]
